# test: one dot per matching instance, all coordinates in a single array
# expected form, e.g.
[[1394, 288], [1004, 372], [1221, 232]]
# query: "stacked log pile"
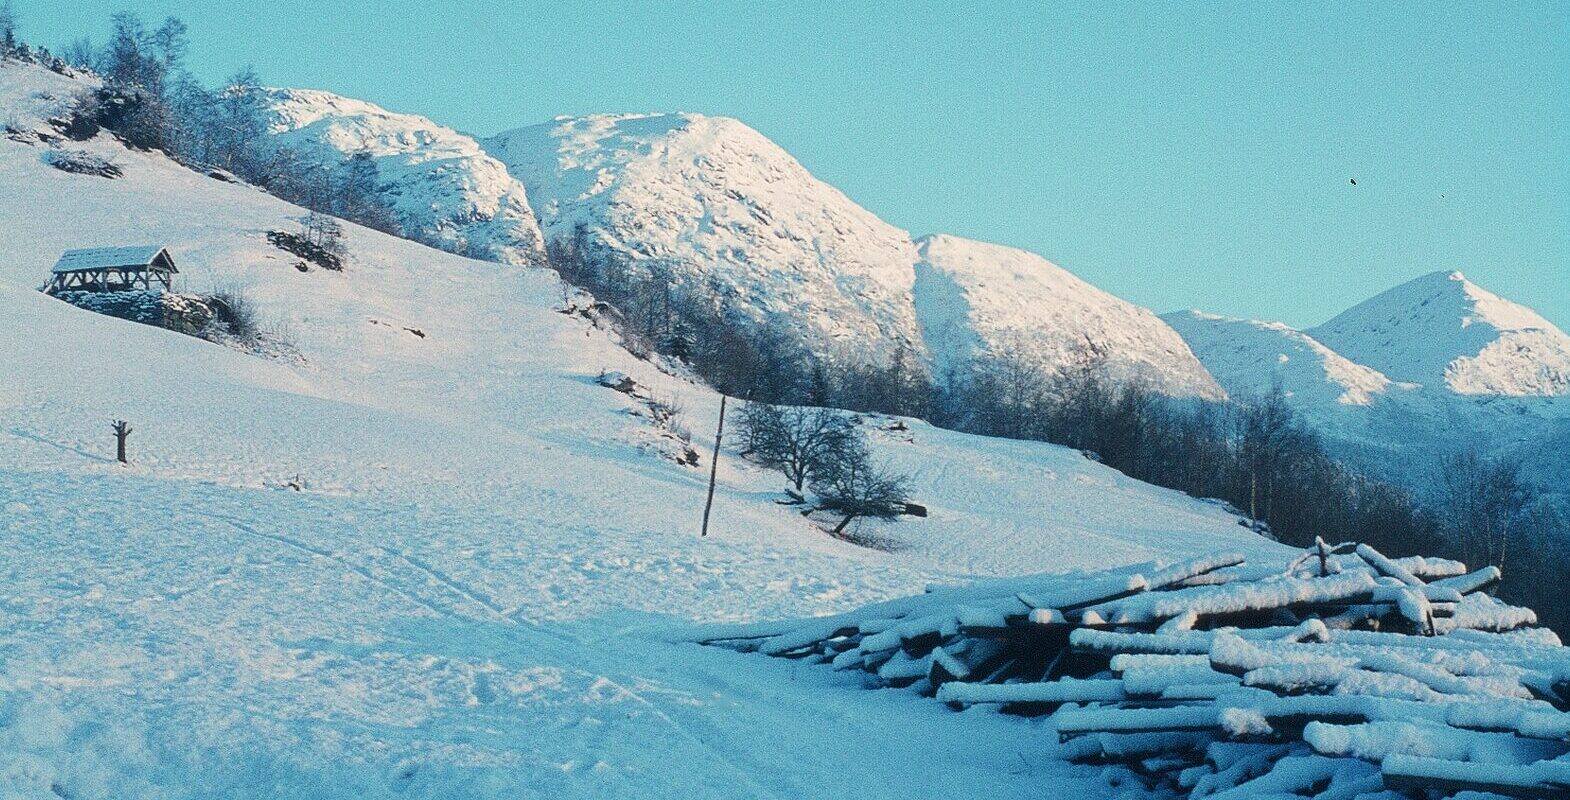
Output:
[[1343, 674]]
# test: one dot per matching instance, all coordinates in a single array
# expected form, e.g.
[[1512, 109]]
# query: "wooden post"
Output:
[[714, 466], [122, 429]]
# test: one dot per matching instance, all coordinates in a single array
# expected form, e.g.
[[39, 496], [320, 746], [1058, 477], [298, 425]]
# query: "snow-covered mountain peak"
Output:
[[1250, 357], [976, 299], [724, 208], [441, 185], [355, 123], [1442, 330]]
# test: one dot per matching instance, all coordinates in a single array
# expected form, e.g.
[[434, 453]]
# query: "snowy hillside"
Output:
[[721, 206], [1443, 330], [420, 558], [1249, 358], [976, 299], [442, 187]]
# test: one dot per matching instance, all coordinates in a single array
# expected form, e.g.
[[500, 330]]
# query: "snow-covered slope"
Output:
[[1442, 330], [443, 188], [455, 600], [976, 299], [727, 210], [1249, 358]]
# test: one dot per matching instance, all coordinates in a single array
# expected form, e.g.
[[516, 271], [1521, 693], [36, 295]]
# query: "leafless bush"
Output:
[[235, 312], [670, 414]]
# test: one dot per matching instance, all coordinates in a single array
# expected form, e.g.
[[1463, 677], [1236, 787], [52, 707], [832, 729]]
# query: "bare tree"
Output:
[[1271, 444], [170, 43], [324, 232], [80, 53], [359, 198], [798, 442], [1482, 504], [237, 126], [1006, 394], [852, 485]]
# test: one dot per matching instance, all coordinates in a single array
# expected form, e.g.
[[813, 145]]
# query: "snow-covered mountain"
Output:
[[440, 184], [976, 299], [725, 209], [1442, 330], [1432, 366], [1250, 358]]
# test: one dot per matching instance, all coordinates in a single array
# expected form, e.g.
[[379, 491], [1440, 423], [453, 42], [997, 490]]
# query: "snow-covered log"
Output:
[[1067, 690], [1538, 780], [1341, 674]]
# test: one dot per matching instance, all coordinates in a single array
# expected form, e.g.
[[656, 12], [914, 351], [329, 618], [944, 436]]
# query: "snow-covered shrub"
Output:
[[669, 413], [324, 256], [319, 242], [79, 162], [618, 380], [119, 109], [232, 309], [226, 316]]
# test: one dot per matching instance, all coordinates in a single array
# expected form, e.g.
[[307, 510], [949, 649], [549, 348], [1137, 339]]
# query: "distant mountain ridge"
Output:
[[723, 207], [977, 300], [1432, 366], [717, 205], [1249, 357]]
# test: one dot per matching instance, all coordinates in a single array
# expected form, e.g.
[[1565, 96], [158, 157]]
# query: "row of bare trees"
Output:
[[1486, 511], [1259, 455], [1255, 454]]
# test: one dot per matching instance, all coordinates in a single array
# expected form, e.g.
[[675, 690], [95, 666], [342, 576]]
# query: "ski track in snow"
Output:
[[384, 574]]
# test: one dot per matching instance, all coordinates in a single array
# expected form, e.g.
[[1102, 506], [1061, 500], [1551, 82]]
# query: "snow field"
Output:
[[468, 595]]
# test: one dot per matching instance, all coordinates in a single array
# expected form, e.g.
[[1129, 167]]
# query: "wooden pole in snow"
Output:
[[122, 429], [714, 466]]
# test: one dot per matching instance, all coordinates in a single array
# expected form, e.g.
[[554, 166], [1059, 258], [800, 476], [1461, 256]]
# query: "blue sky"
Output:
[[1178, 154]]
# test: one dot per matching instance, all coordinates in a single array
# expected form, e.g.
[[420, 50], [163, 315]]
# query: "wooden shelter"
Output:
[[113, 269]]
